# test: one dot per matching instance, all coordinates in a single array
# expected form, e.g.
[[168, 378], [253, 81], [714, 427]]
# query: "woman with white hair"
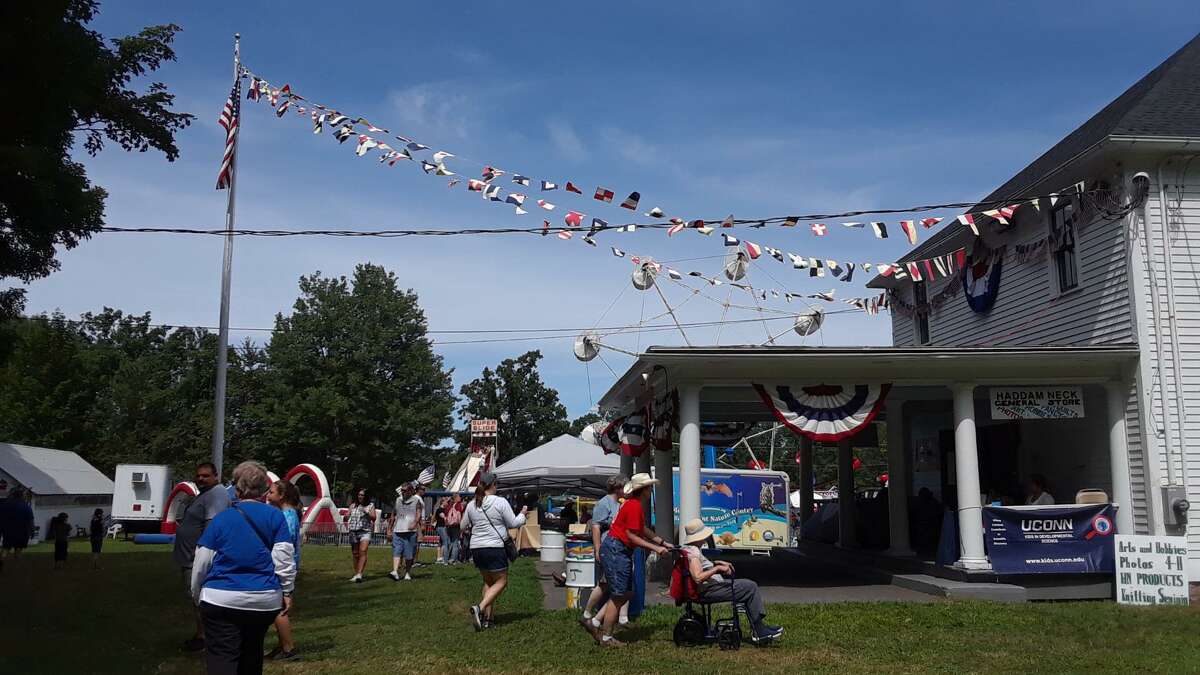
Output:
[[714, 586], [243, 575]]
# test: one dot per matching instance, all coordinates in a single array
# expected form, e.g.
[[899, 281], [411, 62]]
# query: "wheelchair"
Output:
[[696, 626]]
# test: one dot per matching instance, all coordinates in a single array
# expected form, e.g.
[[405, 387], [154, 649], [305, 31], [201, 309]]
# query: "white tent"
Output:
[[564, 463], [59, 481]]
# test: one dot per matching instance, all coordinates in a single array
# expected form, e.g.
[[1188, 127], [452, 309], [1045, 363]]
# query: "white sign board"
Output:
[[1151, 570], [1036, 403]]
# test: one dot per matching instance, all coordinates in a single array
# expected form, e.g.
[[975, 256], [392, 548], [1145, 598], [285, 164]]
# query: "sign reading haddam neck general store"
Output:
[[1036, 403]]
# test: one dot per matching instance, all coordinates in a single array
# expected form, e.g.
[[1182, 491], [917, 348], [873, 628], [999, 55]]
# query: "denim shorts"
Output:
[[359, 535], [404, 545], [617, 560], [490, 559]]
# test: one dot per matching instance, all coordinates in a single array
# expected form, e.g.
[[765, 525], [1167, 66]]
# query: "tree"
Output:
[[582, 421], [514, 392], [352, 374], [61, 79]]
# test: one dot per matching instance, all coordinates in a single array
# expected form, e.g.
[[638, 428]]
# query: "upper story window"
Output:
[[1062, 244], [921, 313]]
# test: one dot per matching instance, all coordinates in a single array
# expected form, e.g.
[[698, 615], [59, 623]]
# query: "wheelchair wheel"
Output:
[[729, 638], [689, 631]]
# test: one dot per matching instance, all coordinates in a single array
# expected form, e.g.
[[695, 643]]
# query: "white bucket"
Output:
[[552, 546], [581, 572]]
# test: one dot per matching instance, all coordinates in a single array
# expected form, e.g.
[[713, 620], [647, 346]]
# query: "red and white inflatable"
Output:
[[320, 513]]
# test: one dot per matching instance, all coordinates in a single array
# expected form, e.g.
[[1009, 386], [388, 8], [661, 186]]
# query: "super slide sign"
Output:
[[1151, 570], [1036, 403]]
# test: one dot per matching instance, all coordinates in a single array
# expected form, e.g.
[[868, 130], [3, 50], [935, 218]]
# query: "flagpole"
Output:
[[218, 446]]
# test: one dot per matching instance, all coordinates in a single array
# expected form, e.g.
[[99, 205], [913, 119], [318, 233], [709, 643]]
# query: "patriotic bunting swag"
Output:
[[981, 278], [824, 412], [634, 434]]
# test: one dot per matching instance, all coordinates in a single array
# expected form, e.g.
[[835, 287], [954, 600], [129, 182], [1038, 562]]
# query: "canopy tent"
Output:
[[563, 464]]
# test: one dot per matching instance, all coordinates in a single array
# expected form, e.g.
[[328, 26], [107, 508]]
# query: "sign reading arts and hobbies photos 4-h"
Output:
[[1151, 570], [1036, 403]]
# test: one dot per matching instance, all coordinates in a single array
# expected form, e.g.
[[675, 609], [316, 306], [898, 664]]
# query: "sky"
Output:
[[756, 109]]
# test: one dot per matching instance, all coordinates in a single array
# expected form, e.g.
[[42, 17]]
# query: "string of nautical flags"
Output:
[[524, 192]]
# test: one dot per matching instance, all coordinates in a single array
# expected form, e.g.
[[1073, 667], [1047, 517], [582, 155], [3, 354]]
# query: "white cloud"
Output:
[[565, 140], [435, 108]]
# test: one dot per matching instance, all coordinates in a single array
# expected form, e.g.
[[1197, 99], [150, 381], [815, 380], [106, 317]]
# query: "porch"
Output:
[[941, 439]]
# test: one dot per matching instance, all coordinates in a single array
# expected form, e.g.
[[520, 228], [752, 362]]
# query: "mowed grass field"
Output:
[[130, 617]]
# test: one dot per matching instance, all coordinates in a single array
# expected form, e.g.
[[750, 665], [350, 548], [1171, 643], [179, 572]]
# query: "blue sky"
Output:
[[756, 109]]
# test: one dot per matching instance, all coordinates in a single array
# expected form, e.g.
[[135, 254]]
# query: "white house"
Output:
[[1096, 297], [58, 480]]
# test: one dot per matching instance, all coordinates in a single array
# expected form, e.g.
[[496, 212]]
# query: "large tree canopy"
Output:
[[351, 374], [514, 392], [61, 79]]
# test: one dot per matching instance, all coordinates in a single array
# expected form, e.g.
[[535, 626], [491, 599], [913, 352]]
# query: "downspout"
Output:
[[1156, 310], [1176, 361]]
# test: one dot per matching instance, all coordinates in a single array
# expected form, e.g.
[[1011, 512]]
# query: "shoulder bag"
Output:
[[510, 547]]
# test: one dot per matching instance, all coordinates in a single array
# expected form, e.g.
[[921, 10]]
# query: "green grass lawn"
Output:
[[129, 617]]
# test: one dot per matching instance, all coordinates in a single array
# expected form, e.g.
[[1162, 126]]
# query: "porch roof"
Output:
[[723, 367]]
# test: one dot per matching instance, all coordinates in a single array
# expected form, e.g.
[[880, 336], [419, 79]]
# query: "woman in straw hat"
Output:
[[627, 532], [715, 587]]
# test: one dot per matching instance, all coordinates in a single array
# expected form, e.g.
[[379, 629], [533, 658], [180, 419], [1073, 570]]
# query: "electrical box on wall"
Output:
[[1175, 506]]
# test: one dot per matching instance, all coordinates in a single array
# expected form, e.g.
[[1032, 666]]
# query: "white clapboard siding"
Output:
[[1028, 313], [1183, 218]]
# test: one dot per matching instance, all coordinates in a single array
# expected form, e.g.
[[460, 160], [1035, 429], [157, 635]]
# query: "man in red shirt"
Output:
[[628, 531]]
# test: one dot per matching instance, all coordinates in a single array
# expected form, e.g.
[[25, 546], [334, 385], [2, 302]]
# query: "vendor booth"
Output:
[[964, 428], [563, 464]]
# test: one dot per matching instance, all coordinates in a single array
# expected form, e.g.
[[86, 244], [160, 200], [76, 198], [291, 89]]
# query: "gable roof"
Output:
[[563, 454], [52, 472], [1163, 104]]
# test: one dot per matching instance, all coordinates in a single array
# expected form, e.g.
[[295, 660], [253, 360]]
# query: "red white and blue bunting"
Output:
[[824, 412]]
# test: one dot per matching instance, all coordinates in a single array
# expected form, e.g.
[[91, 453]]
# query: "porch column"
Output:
[[689, 452], [627, 466], [847, 535], [642, 465], [966, 472], [898, 543], [664, 501], [1118, 454], [805, 485]]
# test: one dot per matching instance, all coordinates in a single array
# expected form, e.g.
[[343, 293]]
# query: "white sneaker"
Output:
[[407, 576], [393, 576], [357, 578], [623, 620]]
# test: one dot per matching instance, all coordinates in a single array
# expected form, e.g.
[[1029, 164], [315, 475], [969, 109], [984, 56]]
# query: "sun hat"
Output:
[[639, 481], [695, 530]]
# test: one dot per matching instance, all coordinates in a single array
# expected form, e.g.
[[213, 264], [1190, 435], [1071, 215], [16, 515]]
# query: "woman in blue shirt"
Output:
[[243, 575], [285, 497]]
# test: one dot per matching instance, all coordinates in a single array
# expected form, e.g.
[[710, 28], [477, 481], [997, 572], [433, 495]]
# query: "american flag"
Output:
[[426, 476], [230, 119], [446, 481]]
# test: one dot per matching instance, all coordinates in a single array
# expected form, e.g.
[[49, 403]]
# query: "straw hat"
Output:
[[639, 481], [695, 530]]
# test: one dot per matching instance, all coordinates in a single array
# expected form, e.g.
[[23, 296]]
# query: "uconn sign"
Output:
[[1048, 525]]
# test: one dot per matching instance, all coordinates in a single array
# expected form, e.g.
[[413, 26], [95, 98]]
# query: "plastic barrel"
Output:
[[552, 546]]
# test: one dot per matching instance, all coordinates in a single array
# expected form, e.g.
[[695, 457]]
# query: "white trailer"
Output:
[[140, 493]]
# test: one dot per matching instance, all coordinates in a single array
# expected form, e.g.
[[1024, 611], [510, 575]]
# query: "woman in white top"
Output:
[[489, 518]]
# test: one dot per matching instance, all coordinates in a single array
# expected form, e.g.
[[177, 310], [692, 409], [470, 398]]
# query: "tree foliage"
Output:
[[514, 391], [349, 374], [62, 80]]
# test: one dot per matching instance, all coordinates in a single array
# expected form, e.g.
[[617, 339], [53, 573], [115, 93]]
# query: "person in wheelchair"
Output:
[[713, 585]]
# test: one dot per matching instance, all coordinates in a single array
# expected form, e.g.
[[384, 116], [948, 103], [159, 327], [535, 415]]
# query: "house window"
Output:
[[921, 315], [1062, 243]]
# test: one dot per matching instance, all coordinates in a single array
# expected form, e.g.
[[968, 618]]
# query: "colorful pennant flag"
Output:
[[545, 204], [565, 234], [475, 185], [604, 195], [676, 227], [618, 252], [968, 220], [573, 218], [880, 230], [655, 212], [440, 156], [631, 202], [819, 229], [728, 222], [547, 185], [730, 240], [854, 225], [571, 187], [520, 180], [791, 221], [910, 230], [754, 250], [930, 222]]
